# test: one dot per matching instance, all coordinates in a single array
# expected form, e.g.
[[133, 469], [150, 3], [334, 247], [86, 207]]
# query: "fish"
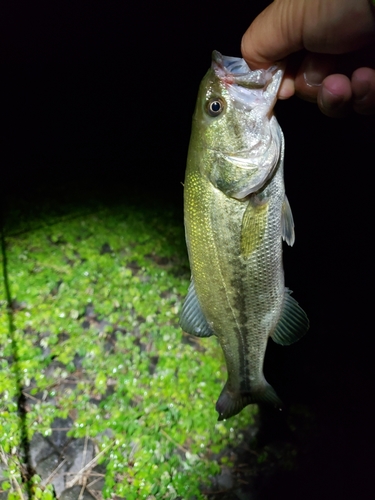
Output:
[[236, 215]]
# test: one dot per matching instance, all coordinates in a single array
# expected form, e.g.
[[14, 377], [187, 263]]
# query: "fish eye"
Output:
[[215, 106]]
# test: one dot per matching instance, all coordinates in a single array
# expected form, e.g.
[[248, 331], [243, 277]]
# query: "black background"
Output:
[[102, 93]]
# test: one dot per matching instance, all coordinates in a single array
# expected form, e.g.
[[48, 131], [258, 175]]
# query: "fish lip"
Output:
[[236, 70], [247, 88]]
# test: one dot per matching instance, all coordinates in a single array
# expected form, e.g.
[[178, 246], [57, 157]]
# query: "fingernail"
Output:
[[314, 71], [313, 79], [362, 90], [312, 74], [330, 102]]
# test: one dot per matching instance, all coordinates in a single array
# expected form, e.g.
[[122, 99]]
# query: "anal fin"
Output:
[[293, 322]]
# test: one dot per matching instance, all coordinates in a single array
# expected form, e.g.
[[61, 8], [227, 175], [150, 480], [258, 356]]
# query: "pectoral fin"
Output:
[[192, 319], [293, 322], [287, 223]]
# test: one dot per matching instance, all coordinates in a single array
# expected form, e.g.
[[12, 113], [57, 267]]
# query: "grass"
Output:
[[94, 336]]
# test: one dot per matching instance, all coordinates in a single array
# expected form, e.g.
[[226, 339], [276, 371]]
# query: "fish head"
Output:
[[234, 126]]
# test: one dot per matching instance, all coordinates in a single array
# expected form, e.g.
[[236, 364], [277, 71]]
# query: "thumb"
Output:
[[274, 34], [323, 26]]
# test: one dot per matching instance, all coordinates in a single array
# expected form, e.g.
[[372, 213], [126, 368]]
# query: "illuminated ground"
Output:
[[115, 398]]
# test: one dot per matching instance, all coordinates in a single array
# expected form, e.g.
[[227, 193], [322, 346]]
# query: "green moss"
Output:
[[10, 423], [98, 340]]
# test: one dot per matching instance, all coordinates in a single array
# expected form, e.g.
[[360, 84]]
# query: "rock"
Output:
[[39, 448], [74, 453], [45, 467], [224, 480], [48, 453], [60, 427]]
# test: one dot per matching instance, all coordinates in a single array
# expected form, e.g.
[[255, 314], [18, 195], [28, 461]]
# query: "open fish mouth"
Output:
[[237, 69], [246, 87]]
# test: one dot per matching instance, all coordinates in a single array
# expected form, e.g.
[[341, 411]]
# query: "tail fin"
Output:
[[229, 403]]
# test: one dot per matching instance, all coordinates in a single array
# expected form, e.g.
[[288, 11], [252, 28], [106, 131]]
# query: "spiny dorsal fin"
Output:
[[192, 319], [293, 322], [287, 223]]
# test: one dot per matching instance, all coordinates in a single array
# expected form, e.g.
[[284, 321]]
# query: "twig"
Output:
[[93, 474], [84, 451], [96, 494], [180, 447], [95, 480], [30, 396], [83, 477], [81, 492], [60, 429], [53, 473], [14, 480], [88, 466]]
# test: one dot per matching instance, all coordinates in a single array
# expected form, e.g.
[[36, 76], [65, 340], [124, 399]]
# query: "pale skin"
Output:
[[329, 47]]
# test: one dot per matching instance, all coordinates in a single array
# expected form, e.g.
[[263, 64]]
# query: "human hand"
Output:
[[330, 51]]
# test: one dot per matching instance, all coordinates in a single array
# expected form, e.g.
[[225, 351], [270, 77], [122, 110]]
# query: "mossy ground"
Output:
[[92, 334]]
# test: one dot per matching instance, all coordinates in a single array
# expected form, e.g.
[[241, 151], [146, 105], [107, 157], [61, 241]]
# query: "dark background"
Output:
[[99, 96]]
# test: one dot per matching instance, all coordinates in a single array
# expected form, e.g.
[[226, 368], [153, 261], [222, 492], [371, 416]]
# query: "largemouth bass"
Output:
[[236, 216]]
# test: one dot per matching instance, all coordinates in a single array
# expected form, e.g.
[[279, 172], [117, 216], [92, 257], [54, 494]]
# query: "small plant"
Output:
[[12, 482], [96, 300], [40, 492]]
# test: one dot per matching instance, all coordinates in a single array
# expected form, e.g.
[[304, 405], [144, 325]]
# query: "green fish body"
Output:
[[236, 215]]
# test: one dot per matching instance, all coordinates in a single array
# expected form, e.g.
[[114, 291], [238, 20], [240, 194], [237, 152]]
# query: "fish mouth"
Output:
[[248, 88], [236, 70]]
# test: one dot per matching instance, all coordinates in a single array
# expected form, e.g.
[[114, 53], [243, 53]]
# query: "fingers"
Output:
[[287, 26], [332, 32], [337, 94], [323, 79], [334, 96], [311, 73], [287, 88], [363, 87]]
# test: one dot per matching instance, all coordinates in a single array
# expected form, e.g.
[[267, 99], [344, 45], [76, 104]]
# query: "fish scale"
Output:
[[236, 216]]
